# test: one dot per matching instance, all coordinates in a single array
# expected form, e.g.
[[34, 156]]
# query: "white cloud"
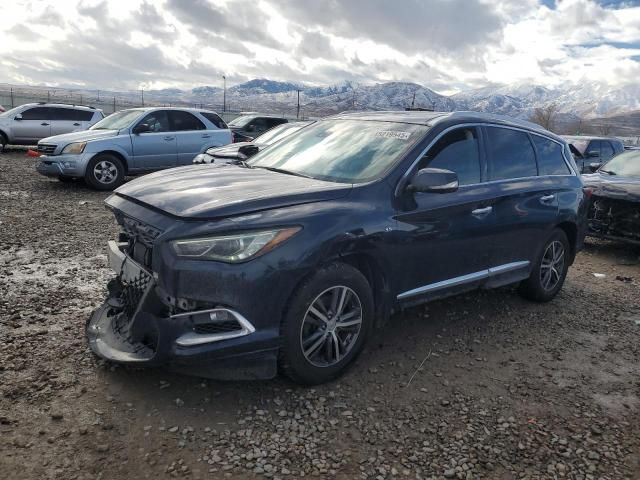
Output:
[[444, 44]]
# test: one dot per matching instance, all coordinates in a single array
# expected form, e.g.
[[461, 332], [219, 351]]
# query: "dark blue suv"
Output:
[[289, 260]]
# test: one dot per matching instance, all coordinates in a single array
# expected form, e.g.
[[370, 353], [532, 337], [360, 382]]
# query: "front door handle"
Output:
[[205, 135], [481, 212], [44, 124], [168, 139], [547, 198]]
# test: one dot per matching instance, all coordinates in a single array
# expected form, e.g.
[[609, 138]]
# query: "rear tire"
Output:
[[104, 172], [549, 271], [327, 324]]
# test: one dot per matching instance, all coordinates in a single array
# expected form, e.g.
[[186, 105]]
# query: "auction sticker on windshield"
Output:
[[393, 134]]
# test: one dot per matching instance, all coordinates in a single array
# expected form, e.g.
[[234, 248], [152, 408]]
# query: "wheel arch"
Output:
[[570, 229], [118, 155]]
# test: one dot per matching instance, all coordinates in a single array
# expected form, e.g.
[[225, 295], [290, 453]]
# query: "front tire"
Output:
[[105, 172], [3, 141], [326, 325], [550, 270]]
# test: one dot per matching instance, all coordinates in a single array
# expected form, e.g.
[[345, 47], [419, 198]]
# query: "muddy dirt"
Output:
[[480, 386]]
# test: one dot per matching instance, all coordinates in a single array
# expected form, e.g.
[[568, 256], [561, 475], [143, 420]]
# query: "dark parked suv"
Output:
[[289, 260], [590, 153]]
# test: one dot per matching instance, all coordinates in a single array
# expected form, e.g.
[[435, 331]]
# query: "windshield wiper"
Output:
[[608, 172], [286, 172]]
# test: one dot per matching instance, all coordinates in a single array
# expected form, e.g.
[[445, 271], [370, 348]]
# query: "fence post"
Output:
[[114, 104], [12, 98], [48, 96]]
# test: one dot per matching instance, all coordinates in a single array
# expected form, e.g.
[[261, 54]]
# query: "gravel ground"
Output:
[[485, 385]]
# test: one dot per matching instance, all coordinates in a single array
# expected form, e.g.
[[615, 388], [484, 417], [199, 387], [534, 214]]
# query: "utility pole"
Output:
[[224, 94], [298, 110], [48, 96], [114, 104], [142, 93], [413, 102], [11, 97]]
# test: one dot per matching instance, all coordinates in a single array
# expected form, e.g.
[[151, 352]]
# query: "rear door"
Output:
[[526, 205], [191, 135], [63, 120], [34, 125], [450, 235], [155, 149]]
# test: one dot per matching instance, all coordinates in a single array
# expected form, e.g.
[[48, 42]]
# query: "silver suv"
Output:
[[128, 142], [29, 123]]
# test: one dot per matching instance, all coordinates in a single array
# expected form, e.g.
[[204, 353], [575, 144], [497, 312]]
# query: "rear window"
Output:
[[550, 159], [215, 119], [511, 154]]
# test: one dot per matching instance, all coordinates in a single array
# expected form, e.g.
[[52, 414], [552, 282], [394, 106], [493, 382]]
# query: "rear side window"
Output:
[[550, 159], [215, 119], [184, 121], [606, 151], [37, 113], [511, 154], [70, 114], [457, 151]]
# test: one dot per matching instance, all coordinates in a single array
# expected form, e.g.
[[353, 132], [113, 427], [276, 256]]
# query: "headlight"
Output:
[[233, 248], [74, 148]]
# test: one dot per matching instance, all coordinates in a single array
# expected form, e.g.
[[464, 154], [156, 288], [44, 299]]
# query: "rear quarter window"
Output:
[[550, 159], [511, 154], [215, 119]]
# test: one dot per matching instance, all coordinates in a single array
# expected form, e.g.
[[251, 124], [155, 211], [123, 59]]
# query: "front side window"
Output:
[[344, 151], [37, 113], [457, 151], [550, 159], [157, 121], [184, 121], [511, 154], [594, 149]]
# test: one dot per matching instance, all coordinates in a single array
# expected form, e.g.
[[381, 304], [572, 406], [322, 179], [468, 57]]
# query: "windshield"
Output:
[[10, 112], [278, 133], [240, 121], [627, 164], [344, 151], [118, 120]]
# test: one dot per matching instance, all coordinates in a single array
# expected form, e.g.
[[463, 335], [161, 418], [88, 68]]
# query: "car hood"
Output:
[[613, 186], [81, 136], [207, 191]]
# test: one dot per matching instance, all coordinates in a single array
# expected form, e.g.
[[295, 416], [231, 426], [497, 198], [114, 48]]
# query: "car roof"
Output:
[[588, 137], [62, 105], [433, 118]]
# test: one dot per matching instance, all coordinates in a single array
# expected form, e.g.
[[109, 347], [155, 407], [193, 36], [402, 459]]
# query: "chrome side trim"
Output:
[[191, 338], [452, 282], [508, 267], [461, 280]]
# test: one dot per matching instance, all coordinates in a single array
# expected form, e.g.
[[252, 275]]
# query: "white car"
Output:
[[30, 123]]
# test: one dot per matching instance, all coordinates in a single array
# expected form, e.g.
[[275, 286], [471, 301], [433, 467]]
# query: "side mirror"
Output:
[[593, 154], [594, 166], [141, 128], [18, 117], [434, 180]]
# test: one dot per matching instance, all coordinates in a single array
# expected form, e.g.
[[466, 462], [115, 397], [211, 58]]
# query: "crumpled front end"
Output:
[[614, 219]]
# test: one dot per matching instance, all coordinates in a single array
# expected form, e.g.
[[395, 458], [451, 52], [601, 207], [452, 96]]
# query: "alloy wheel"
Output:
[[552, 265], [105, 172], [331, 326]]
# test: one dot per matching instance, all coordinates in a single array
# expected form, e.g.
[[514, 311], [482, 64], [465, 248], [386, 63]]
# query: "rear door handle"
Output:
[[205, 135], [481, 212], [76, 124], [44, 124], [168, 139], [547, 198]]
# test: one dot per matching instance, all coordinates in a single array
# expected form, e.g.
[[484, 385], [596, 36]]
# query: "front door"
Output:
[[157, 148], [447, 237], [34, 125]]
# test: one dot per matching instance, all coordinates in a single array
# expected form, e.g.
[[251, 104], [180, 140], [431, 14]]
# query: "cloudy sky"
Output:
[[448, 45]]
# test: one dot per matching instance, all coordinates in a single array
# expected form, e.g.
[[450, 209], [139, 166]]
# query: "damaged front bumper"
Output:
[[614, 219], [136, 325]]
